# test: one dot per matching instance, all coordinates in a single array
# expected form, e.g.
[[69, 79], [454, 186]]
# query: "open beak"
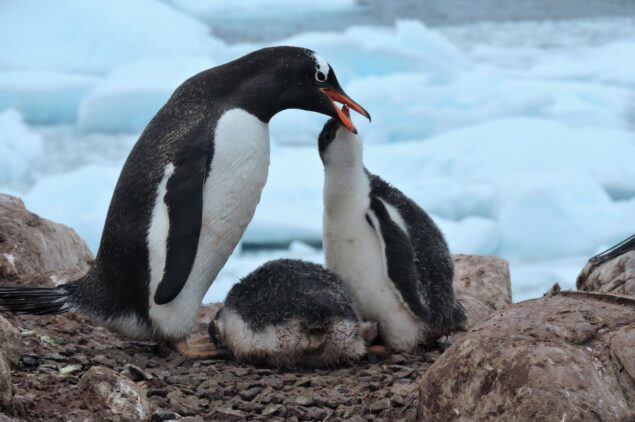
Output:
[[342, 98]]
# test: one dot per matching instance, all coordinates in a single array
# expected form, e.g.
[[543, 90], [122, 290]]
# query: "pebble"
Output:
[[305, 400], [302, 382], [271, 409], [380, 405], [137, 374], [164, 415], [318, 413], [29, 360], [298, 412], [397, 401], [275, 383], [103, 360], [225, 414], [157, 392], [55, 357], [250, 394]]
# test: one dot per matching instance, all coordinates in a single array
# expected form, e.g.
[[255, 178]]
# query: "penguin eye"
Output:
[[320, 76]]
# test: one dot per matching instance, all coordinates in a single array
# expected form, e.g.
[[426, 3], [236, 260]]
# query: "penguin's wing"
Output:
[[184, 200], [400, 258], [615, 251]]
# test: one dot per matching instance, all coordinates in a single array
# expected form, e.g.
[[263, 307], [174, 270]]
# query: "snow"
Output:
[[527, 151], [517, 138], [471, 235], [79, 199], [127, 98], [95, 36], [596, 65], [44, 96], [20, 148], [560, 219], [213, 11]]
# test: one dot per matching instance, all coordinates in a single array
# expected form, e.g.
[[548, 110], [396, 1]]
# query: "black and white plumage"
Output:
[[621, 248], [186, 193], [387, 250], [291, 313]]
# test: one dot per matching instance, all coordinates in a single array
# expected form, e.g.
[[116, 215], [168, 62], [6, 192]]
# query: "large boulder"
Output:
[[112, 396], [482, 284], [616, 276], [566, 357], [34, 248], [8, 342]]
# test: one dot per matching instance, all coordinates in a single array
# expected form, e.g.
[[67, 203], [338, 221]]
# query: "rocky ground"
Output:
[[66, 368], [60, 357], [564, 357]]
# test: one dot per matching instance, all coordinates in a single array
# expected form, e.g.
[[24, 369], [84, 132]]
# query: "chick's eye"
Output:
[[320, 76]]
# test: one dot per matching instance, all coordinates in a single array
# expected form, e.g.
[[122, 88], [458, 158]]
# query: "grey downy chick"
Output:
[[291, 313]]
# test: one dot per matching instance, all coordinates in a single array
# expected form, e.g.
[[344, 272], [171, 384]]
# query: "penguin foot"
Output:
[[198, 351], [376, 351], [199, 340]]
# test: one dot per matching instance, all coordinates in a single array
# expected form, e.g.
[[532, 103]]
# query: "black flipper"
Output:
[[615, 251], [184, 199], [400, 259]]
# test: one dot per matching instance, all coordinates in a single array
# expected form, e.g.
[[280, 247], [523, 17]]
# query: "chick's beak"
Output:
[[344, 99]]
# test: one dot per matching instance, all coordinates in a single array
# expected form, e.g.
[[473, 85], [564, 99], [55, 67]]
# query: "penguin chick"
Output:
[[387, 250], [291, 313]]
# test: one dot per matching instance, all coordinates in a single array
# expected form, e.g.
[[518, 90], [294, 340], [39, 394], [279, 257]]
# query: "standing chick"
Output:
[[291, 313], [388, 251]]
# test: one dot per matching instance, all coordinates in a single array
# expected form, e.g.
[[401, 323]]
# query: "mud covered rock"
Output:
[[482, 284], [8, 343], [113, 395], [31, 246], [616, 276], [566, 357]]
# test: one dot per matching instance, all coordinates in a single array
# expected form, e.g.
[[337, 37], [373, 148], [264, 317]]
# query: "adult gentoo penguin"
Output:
[[187, 192], [291, 313], [387, 250]]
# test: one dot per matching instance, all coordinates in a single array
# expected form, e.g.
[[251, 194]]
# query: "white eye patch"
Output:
[[319, 76], [322, 68]]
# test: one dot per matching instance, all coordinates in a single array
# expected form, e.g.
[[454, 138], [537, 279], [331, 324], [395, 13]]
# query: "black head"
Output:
[[328, 134], [280, 78], [213, 329]]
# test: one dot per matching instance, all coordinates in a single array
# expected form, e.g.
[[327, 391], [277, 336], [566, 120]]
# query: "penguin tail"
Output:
[[37, 300]]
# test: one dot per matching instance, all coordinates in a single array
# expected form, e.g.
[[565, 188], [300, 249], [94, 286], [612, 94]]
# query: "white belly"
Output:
[[353, 250], [232, 190]]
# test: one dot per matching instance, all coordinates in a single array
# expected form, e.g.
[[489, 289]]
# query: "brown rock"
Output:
[[616, 276], [566, 357], [482, 284], [113, 395], [33, 246], [8, 343]]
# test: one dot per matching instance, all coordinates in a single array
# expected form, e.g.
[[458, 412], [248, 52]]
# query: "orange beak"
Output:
[[342, 98]]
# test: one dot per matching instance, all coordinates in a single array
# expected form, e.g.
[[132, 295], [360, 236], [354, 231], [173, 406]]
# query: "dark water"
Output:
[[431, 12]]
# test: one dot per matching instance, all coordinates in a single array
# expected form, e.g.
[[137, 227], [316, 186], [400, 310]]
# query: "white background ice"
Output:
[[516, 137]]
